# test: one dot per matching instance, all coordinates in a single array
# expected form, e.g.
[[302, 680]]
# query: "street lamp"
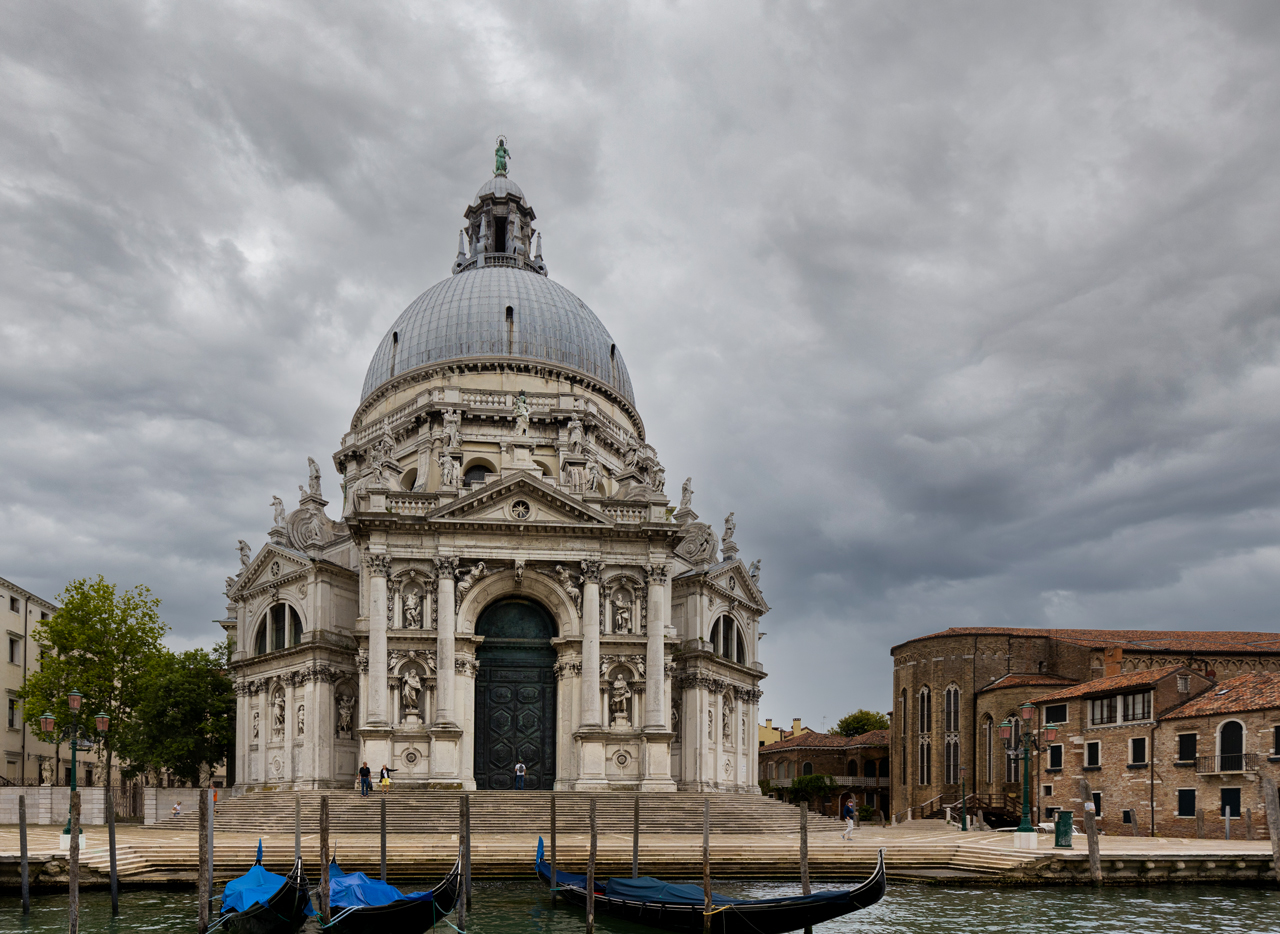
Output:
[[1025, 741], [49, 723]]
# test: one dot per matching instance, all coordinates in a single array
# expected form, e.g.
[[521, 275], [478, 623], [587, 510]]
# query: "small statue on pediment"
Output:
[[521, 411], [686, 493], [448, 470], [754, 572], [313, 476], [277, 506], [595, 475], [246, 553], [576, 437], [452, 428]]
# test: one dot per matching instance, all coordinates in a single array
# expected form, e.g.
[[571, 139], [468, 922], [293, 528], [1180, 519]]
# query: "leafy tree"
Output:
[[809, 787], [101, 643], [186, 718], [859, 722]]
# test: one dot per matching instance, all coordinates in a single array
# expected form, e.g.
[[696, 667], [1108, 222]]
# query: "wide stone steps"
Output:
[[411, 811]]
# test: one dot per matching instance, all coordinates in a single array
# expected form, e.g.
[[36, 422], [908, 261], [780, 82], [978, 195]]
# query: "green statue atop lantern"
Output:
[[500, 156]]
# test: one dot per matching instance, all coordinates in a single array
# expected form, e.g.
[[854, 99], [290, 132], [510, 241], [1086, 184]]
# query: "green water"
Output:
[[511, 907]]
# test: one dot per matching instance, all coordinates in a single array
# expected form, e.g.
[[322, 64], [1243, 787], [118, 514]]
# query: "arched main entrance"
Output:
[[515, 695]]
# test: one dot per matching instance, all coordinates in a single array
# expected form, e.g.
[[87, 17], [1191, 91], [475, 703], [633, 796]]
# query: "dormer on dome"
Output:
[[499, 229]]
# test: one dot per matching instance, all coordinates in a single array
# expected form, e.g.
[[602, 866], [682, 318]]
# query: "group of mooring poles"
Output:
[[73, 859]]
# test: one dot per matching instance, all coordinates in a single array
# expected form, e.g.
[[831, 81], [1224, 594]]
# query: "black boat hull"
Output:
[[402, 917], [283, 913], [764, 916]]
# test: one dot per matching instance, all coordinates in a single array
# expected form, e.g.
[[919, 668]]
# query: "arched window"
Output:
[[715, 637], [988, 730], [475, 474], [808, 768], [278, 628], [951, 761], [925, 711], [951, 709], [790, 769], [260, 640], [852, 768], [741, 656], [925, 773]]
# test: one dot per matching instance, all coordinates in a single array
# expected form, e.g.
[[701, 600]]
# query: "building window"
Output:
[[1055, 757], [926, 710], [951, 752], [1093, 755], [1275, 742], [1186, 802], [282, 625], [988, 738], [1231, 746], [1138, 750], [926, 763], [808, 768], [15, 651], [1102, 710], [951, 709], [1230, 802], [13, 713], [1137, 706], [1126, 816], [1046, 791], [44, 617], [14, 605], [1186, 747], [1097, 804], [1184, 684], [1056, 713]]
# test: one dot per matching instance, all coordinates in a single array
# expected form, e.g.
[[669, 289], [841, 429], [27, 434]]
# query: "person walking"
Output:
[[520, 775], [384, 777], [366, 780], [850, 813]]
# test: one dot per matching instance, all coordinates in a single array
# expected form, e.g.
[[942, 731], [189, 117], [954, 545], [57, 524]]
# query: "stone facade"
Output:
[[860, 765], [509, 579], [952, 689]]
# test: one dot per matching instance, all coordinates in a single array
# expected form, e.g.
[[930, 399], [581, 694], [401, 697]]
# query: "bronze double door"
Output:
[[515, 717]]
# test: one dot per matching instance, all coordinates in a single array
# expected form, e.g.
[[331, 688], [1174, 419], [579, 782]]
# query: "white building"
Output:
[[508, 580]]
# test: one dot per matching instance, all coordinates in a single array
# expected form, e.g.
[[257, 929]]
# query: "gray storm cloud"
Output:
[[970, 313]]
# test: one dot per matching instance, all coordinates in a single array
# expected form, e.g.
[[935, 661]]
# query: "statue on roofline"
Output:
[[500, 157]]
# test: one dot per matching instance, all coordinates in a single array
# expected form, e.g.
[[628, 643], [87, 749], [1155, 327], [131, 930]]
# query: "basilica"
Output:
[[507, 579]]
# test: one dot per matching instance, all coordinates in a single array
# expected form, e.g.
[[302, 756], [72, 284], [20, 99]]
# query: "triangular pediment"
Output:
[[734, 581], [272, 566], [522, 500]]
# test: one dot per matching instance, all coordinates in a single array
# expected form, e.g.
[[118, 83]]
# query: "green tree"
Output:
[[186, 718], [102, 644], [859, 722], [809, 787]]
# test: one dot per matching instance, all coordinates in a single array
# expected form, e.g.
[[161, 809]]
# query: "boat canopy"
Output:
[[253, 888], [356, 890]]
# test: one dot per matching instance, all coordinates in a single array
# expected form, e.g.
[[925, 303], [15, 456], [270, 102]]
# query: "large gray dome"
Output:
[[466, 316]]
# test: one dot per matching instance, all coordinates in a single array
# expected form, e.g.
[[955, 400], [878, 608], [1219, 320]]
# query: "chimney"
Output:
[[768, 723], [1112, 660], [795, 725]]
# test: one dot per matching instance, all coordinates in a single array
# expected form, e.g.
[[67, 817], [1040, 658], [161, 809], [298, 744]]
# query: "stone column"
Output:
[[591, 644], [444, 646], [654, 716], [244, 730], [379, 565]]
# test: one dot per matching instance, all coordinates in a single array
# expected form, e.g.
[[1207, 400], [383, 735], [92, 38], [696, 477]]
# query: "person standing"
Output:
[[366, 780], [850, 813], [520, 775], [384, 777]]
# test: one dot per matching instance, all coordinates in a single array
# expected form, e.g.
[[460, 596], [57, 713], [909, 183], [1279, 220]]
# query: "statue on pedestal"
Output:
[[277, 504], [619, 694]]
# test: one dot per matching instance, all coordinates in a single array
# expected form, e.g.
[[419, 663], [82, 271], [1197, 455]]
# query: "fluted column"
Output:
[[445, 611], [591, 644], [654, 715], [379, 565]]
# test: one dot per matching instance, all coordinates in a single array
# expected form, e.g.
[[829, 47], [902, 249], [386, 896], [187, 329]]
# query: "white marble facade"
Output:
[[496, 464]]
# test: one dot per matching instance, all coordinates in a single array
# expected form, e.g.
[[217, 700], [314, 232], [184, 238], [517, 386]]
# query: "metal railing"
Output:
[[1234, 762], [844, 781]]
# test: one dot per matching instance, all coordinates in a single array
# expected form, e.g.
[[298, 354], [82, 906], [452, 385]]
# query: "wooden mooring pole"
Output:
[[1199, 823], [73, 871], [804, 848], [706, 866], [324, 859], [462, 860], [111, 847], [591, 872], [1091, 832], [202, 876], [297, 827], [553, 851], [1248, 823], [22, 843], [1272, 801], [466, 859], [635, 840], [383, 836], [212, 795]]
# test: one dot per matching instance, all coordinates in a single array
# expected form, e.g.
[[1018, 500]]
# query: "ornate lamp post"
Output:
[[1025, 740], [49, 723]]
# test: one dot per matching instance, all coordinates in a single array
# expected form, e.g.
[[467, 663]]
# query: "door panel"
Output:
[[515, 719]]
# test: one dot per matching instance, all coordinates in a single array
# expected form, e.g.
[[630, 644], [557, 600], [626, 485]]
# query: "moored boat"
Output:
[[673, 907], [263, 902], [360, 905]]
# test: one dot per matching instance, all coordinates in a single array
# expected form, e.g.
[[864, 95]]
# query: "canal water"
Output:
[[524, 908]]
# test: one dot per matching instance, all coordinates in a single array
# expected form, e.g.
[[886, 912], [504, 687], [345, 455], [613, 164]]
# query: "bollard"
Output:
[[73, 871], [553, 851], [706, 866], [591, 873], [297, 828], [22, 842]]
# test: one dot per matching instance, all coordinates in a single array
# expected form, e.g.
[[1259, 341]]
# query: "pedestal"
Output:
[[1024, 841], [64, 842]]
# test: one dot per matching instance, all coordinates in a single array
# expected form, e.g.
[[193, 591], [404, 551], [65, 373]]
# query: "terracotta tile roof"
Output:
[[1122, 682], [1022, 680], [828, 741], [1138, 640], [1256, 690]]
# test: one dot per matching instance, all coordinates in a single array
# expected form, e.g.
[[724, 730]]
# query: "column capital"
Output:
[[378, 565], [591, 571], [657, 574]]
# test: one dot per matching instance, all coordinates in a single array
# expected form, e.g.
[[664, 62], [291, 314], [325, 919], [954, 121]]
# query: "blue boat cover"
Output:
[[255, 887], [562, 878], [649, 889], [356, 890]]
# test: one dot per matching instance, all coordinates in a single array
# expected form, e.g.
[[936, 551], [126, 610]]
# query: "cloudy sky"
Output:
[[969, 311]]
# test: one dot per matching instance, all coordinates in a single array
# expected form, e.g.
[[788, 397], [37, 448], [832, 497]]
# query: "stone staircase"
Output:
[[413, 811]]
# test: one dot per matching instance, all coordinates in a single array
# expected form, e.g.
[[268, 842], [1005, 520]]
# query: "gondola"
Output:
[[261, 902], [670, 907], [360, 905]]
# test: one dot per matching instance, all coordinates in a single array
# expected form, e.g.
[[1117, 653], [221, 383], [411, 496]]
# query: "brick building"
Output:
[[1159, 746], [952, 689], [858, 764]]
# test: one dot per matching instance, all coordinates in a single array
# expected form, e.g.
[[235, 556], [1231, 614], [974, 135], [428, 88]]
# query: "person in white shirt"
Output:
[[177, 809], [519, 775]]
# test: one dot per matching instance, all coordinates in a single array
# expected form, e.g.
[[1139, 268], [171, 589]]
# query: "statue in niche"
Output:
[[595, 475], [469, 580], [725, 729], [277, 505], [313, 476], [410, 688], [346, 711], [278, 715], [302, 719], [744, 731], [621, 613], [255, 725], [521, 411], [711, 725], [575, 435], [569, 586], [412, 611], [448, 470], [729, 528], [452, 428], [619, 694], [675, 717], [246, 553], [46, 773], [686, 493]]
